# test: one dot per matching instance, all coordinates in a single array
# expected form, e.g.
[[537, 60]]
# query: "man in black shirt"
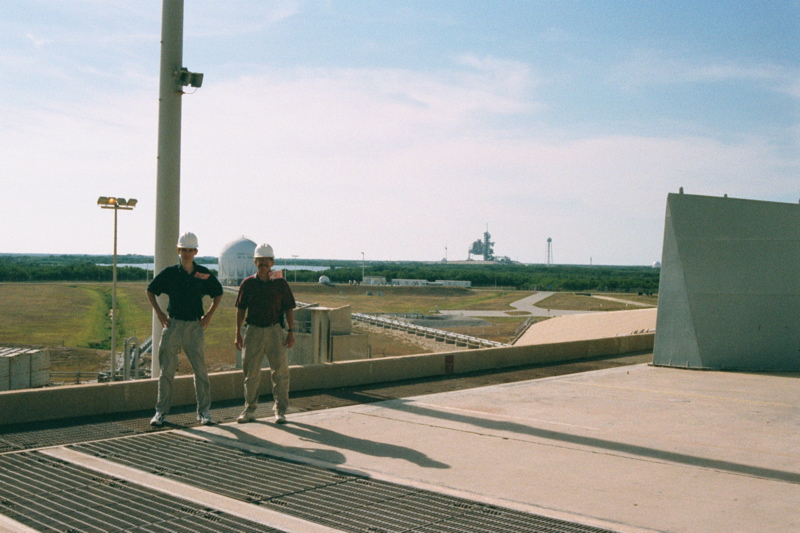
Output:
[[184, 323]]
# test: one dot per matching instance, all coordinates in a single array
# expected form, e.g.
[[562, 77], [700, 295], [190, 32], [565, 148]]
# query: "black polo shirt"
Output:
[[185, 291], [265, 301]]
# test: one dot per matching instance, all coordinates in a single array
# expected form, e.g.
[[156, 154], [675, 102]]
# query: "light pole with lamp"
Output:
[[110, 202]]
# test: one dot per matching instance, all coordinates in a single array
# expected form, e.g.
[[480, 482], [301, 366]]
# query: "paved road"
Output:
[[527, 305], [626, 302]]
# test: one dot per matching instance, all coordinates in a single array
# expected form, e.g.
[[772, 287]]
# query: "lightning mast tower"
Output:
[[549, 251]]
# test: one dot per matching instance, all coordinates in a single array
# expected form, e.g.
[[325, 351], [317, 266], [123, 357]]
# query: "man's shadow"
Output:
[[333, 439]]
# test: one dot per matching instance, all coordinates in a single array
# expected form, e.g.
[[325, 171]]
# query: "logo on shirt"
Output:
[[200, 275]]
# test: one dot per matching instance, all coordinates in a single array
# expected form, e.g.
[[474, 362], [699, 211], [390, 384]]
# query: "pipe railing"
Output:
[[438, 335]]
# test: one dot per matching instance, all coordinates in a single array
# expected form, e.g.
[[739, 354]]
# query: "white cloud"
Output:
[[650, 67], [56, 162], [206, 19], [395, 162], [38, 42]]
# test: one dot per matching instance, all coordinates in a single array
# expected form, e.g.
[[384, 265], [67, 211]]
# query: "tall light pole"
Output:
[[110, 202]]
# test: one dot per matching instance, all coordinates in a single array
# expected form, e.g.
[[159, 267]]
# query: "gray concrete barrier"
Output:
[[52, 403]]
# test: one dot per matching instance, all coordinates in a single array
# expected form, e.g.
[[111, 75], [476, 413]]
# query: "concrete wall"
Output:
[[321, 335], [102, 398], [729, 295], [302, 353], [347, 347], [341, 320]]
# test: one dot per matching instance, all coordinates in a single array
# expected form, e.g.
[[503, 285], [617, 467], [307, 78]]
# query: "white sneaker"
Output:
[[205, 418], [158, 420], [280, 418], [246, 416]]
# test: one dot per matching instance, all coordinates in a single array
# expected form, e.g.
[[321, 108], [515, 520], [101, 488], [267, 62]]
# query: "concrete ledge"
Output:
[[53, 403]]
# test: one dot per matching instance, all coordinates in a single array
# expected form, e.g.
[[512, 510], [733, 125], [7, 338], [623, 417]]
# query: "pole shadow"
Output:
[[407, 406]]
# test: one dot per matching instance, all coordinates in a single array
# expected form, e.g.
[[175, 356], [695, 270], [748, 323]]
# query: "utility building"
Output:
[[325, 335]]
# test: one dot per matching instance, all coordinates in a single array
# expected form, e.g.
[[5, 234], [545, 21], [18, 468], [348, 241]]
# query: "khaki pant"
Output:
[[191, 337], [258, 342]]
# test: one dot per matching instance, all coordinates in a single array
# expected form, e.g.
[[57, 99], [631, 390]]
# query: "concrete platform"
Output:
[[628, 449], [585, 326], [637, 448]]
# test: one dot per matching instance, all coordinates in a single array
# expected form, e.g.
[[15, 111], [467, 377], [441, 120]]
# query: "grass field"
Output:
[[76, 316], [406, 299]]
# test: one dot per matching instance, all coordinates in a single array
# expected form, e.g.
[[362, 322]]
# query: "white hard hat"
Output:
[[264, 250], [188, 240]]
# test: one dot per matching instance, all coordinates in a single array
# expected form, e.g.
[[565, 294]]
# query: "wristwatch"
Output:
[[290, 330]]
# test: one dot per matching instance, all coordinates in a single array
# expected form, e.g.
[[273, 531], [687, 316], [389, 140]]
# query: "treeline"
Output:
[[75, 259], [522, 277], [31, 271], [42, 267]]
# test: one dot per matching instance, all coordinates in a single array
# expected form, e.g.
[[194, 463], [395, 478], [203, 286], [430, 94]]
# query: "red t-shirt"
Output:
[[265, 301]]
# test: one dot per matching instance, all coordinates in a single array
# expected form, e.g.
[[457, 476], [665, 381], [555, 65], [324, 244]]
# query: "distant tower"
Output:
[[488, 250], [483, 247], [549, 251]]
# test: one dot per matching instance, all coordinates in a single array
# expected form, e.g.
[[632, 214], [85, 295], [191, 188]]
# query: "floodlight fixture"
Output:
[[185, 77], [196, 79], [112, 202]]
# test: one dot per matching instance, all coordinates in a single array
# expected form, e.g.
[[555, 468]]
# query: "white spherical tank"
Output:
[[236, 261]]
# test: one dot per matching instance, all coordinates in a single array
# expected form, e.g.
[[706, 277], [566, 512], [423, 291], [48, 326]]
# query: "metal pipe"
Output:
[[126, 361], [131, 359], [136, 359]]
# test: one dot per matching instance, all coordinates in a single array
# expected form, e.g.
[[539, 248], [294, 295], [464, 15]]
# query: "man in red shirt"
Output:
[[262, 304]]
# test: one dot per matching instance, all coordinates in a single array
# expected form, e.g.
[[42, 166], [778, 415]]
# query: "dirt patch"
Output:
[[389, 342], [69, 359]]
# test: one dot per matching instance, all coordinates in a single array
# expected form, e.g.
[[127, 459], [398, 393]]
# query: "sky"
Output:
[[399, 130]]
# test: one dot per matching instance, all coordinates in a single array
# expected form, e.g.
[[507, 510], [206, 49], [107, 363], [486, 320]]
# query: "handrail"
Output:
[[437, 335]]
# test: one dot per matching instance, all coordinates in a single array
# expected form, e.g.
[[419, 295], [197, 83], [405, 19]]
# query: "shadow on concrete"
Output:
[[407, 406], [327, 437]]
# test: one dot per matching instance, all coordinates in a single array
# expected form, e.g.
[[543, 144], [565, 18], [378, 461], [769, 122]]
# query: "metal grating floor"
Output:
[[42, 435], [47, 494], [324, 496]]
